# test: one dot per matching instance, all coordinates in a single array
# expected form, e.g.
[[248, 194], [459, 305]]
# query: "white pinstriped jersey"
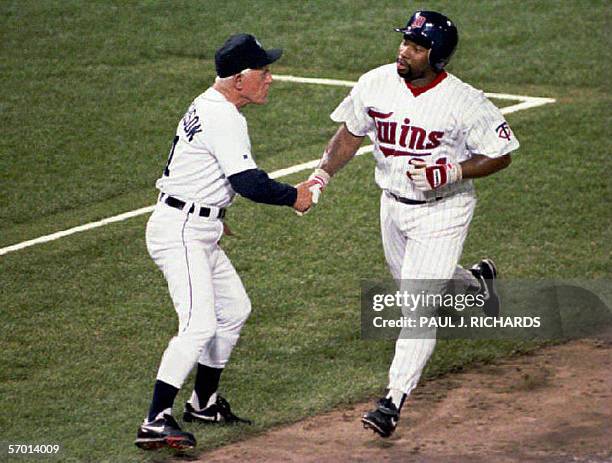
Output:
[[211, 143], [447, 121]]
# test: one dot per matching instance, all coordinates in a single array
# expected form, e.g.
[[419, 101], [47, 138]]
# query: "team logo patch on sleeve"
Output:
[[503, 131]]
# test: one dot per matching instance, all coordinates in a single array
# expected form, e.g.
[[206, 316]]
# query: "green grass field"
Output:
[[90, 96]]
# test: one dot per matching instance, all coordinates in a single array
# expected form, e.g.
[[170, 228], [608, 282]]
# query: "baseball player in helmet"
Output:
[[432, 134], [209, 162]]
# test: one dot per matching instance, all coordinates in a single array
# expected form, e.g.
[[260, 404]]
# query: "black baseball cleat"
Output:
[[163, 432], [486, 273], [383, 419], [217, 413]]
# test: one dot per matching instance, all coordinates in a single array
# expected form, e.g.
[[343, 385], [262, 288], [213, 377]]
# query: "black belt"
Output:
[[413, 202], [178, 204]]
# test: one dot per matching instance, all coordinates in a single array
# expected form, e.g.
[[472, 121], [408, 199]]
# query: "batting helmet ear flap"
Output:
[[443, 46], [430, 61]]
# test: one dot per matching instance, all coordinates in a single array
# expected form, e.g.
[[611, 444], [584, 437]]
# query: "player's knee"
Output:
[[236, 314], [199, 336]]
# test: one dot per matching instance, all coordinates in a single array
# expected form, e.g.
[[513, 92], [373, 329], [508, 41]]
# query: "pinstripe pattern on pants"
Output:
[[423, 242]]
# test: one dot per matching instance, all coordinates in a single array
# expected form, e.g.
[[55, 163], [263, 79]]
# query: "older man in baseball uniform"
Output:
[[432, 135], [209, 162]]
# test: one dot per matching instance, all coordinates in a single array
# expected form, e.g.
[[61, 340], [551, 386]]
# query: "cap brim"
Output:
[[273, 54]]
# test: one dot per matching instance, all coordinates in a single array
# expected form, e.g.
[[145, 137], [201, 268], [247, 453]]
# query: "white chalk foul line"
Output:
[[526, 102], [72, 231]]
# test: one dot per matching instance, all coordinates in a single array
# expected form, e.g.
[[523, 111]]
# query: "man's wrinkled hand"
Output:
[[304, 196]]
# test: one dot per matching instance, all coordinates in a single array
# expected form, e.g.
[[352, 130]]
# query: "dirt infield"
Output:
[[554, 405]]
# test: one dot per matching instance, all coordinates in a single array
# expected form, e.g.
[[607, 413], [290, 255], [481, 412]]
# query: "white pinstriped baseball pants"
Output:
[[423, 242], [209, 298]]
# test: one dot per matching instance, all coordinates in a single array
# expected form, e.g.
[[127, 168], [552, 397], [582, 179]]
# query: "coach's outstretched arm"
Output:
[[256, 185]]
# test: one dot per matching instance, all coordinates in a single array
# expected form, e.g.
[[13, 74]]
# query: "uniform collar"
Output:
[[214, 95], [416, 91]]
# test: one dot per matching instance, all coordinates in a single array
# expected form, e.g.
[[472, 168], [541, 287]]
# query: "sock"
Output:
[[163, 398], [397, 397], [195, 402], [206, 384]]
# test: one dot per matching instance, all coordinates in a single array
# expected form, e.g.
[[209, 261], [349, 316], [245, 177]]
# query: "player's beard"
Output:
[[409, 74]]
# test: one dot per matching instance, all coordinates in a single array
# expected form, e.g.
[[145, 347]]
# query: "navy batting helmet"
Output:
[[434, 31]]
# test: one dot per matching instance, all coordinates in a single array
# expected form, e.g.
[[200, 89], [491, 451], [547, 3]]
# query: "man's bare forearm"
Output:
[[481, 166], [340, 150]]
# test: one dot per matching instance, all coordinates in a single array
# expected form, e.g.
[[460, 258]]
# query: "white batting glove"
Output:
[[427, 178], [316, 191], [322, 178]]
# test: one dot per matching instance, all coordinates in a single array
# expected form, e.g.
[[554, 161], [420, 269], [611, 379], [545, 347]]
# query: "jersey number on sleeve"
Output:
[[167, 169]]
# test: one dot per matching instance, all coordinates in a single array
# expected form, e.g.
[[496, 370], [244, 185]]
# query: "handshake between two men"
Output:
[[309, 191]]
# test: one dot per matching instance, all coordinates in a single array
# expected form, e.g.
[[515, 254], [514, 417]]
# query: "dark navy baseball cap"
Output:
[[243, 51]]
